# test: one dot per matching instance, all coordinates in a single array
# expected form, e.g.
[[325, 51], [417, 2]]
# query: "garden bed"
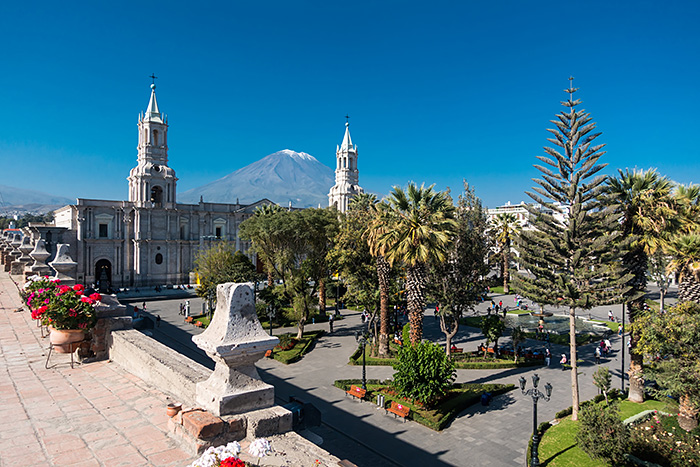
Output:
[[462, 361], [558, 446], [293, 353], [460, 397]]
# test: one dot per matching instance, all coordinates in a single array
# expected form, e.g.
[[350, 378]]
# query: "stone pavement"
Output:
[[495, 435], [93, 415]]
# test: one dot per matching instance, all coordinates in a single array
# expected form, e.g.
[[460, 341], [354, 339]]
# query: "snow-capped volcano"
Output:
[[281, 177]]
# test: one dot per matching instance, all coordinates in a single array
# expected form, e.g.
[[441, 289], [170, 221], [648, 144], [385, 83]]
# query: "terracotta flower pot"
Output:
[[66, 340], [173, 409]]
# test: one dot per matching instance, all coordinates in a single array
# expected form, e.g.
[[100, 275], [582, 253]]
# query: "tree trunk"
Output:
[[662, 296], [506, 273], [636, 392], [383, 270], [322, 296], [689, 289], [300, 328], [270, 279], [449, 333], [574, 364], [415, 283], [687, 414]]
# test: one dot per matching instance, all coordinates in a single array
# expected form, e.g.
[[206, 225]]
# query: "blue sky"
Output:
[[437, 91]]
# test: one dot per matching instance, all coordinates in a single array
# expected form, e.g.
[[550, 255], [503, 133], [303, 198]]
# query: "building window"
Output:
[[159, 259], [218, 232], [104, 231]]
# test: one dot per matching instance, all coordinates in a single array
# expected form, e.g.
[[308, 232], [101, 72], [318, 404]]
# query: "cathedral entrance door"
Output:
[[103, 275]]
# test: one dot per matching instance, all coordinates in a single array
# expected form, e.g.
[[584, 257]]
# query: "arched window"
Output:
[[155, 137], [157, 196]]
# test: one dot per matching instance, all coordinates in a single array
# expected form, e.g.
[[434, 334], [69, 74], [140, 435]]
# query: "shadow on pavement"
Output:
[[345, 433]]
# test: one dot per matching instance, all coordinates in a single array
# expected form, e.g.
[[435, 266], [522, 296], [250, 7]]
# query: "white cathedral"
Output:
[[149, 239]]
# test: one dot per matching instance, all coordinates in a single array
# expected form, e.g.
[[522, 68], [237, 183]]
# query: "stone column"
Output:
[[15, 266], [64, 265], [39, 255], [4, 246], [235, 340]]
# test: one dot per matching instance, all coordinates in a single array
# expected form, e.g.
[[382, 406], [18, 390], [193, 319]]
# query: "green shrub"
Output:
[[602, 434], [406, 334], [423, 372]]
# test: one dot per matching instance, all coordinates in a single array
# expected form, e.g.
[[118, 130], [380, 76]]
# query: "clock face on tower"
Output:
[[156, 168]]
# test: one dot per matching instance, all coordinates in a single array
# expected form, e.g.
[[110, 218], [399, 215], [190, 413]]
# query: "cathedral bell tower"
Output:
[[346, 174], [152, 183]]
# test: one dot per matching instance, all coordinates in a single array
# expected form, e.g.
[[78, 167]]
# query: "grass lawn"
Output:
[[612, 325], [558, 446]]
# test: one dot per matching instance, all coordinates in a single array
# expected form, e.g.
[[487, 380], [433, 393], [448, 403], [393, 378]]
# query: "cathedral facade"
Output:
[[346, 174], [149, 239]]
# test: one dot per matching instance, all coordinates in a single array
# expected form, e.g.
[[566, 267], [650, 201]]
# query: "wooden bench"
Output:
[[357, 392], [398, 409], [456, 350]]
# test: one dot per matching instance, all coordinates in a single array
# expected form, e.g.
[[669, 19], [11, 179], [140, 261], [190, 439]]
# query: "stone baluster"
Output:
[[235, 340], [4, 246], [64, 265], [14, 266], [40, 255]]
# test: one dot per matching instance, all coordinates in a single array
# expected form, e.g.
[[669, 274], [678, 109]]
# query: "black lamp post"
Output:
[[337, 294], [362, 340], [536, 395], [270, 315]]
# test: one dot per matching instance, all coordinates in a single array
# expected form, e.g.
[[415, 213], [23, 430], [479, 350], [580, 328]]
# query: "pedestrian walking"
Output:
[[157, 321], [611, 317], [608, 345], [563, 359], [330, 322], [500, 304], [597, 355], [144, 306], [547, 356]]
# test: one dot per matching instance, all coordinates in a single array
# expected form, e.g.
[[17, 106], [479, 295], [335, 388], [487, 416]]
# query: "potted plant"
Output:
[[69, 313], [37, 291]]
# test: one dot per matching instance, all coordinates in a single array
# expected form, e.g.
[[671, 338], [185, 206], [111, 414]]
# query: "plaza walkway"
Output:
[[495, 435], [93, 415]]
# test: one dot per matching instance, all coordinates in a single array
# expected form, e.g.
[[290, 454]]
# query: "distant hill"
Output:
[[280, 177], [18, 200]]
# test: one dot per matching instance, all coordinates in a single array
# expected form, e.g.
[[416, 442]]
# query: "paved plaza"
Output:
[[98, 414]]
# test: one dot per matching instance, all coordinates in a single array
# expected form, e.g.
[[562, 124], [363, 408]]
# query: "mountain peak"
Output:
[[282, 176], [294, 155]]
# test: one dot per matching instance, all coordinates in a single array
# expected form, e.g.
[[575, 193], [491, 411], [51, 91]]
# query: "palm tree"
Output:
[[419, 225], [377, 227], [506, 227], [643, 200], [685, 250], [268, 210]]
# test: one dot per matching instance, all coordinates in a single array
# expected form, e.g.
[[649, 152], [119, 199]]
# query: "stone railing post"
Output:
[[235, 340], [16, 266], [64, 265], [39, 255]]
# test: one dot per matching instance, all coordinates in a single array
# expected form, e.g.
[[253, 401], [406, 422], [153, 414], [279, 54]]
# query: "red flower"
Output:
[[95, 297], [78, 287], [232, 462], [85, 299]]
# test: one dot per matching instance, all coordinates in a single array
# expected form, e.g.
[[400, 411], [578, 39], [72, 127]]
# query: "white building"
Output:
[[149, 239], [518, 210], [346, 174]]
